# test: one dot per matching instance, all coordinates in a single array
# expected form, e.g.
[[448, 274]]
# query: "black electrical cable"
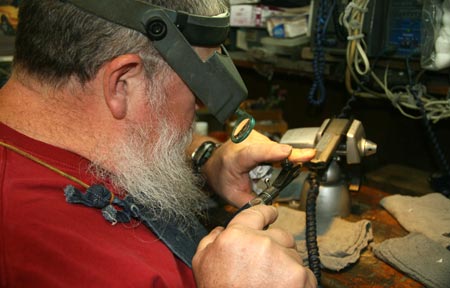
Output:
[[311, 227], [345, 111], [442, 159]]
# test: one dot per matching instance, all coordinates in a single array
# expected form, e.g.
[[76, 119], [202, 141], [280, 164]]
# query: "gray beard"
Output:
[[157, 174]]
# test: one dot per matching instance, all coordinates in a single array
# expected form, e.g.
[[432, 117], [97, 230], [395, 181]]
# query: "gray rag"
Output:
[[417, 256], [340, 242], [428, 214]]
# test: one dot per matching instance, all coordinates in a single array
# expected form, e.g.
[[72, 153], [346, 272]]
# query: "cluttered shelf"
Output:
[[334, 67], [277, 39], [266, 64]]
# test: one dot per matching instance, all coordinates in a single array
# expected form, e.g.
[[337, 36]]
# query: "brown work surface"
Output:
[[400, 179], [369, 271]]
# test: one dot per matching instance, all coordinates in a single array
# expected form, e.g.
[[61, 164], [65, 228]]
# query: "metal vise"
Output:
[[334, 140]]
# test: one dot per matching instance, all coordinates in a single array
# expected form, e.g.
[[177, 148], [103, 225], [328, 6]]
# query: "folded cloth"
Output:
[[428, 214], [417, 256], [340, 242]]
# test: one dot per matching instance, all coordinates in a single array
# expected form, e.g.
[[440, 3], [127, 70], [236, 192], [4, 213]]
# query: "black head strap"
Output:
[[215, 81], [198, 30]]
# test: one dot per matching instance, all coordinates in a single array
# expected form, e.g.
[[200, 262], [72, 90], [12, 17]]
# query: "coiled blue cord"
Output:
[[317, 93]]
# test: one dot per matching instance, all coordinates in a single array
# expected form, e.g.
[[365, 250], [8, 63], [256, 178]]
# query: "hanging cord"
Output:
[[417, 91], [347, 109], [353, 20], [311, 227], [341, 32], [442, 160], [39, 161], [317, 93], [358, 65]]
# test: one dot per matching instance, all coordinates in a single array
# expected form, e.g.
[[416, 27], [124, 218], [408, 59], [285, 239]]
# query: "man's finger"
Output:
[[208, 239], [282, 237], [264, 152], [301, 155], [256, 217]]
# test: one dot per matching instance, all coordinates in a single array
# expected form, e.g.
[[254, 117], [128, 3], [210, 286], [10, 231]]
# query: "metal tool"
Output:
[[336, 141], [325, 194], [288, 173]]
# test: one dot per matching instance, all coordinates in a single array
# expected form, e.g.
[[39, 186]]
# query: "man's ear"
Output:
[[117, 76]]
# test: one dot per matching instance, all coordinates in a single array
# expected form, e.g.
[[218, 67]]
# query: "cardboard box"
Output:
[[288, 27]]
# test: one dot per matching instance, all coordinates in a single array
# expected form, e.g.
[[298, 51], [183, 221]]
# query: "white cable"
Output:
[[353, 19]]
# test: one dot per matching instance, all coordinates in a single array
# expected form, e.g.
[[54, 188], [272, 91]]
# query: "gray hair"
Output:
[[57, 41]]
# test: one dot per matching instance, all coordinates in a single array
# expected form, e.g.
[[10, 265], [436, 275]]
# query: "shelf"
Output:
[[6, 58], [274, 63]]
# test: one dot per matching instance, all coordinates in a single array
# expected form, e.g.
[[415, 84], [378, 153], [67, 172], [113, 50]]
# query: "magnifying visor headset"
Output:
[[215, 81]]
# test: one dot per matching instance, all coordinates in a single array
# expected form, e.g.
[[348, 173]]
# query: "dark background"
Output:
[[400, 140]]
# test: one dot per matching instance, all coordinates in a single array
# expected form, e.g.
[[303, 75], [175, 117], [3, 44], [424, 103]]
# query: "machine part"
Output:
[[328, 142], [261, 174], [261, 171], [215, 81], [301, 137], [333, 199], [403, 26], [325, 140], [357, 145], [334, 140], [326, 192]]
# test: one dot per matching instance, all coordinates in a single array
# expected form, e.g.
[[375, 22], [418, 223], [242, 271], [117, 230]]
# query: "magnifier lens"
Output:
[[243, 126]]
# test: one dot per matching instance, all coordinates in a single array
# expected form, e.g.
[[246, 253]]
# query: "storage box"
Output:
[[247, 38], [288, 27], [251, 15], [285, 46]]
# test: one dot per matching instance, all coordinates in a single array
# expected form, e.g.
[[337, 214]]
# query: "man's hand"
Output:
[[244, 255], [227, 169]]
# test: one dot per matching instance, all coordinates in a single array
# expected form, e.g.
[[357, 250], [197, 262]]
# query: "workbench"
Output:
[[369, 271]]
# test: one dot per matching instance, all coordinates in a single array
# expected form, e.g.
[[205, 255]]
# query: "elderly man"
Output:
[[95, 105]]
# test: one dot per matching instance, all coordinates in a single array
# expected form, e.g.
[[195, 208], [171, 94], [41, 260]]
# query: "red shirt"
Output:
[[46, 242]]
